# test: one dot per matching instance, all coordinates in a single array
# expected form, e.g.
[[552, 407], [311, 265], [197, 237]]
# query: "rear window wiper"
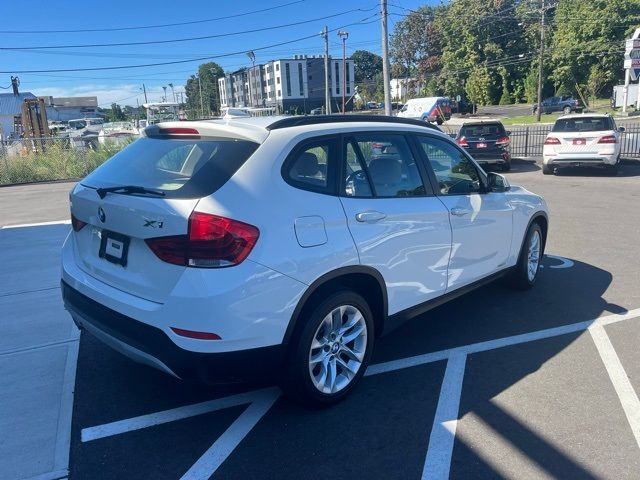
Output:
[[128, 189]]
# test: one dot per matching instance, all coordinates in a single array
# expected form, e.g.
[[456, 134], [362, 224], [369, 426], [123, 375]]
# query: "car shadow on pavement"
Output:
[[627, 169]]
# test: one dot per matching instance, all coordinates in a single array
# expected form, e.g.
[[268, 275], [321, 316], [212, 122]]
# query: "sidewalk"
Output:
[[38, 353]]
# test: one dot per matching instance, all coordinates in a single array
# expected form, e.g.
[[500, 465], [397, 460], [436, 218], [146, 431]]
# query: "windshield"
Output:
[[583, 124], [484, 130], [179, 168]]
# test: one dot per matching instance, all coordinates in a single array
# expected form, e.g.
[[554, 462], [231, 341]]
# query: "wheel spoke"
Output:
[[352, 354], [353, 334], [331, 375], [318, 343], [348, 370], [317, 358], [351, 322]]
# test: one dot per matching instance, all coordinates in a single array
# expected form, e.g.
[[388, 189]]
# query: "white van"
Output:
[[429, 109]]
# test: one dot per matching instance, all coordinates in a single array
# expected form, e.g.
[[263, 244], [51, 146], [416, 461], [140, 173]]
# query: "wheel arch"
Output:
[[366, 281], [542, 219]]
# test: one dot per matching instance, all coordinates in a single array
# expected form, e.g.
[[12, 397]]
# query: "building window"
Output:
[[337, 79], [279, 93], [278, 80], [347, 78], [301, 79], [277, 67], [288, 77]]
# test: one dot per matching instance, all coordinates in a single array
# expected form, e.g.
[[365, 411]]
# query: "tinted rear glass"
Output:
[[189, 168], [484, 130], [583, 124]]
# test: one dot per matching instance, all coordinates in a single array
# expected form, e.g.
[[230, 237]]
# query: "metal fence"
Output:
[[46, 159], [528, 140]]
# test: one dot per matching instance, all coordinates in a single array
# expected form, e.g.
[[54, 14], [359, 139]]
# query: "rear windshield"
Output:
[[186, 168], [484, 130], [583, 124]]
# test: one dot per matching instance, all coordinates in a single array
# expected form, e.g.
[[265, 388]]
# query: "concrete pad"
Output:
[[545, 409], [30, 258], [32, 319], [35, 411]]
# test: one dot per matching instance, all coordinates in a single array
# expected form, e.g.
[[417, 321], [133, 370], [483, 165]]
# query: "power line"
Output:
[[187, 39], [142, 27], [175, 62]]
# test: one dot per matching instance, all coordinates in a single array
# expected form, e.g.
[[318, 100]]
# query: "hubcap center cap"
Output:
[[335, 347]]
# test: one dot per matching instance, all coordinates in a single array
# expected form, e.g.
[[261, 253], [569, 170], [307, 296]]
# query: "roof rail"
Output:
[[297, 121]]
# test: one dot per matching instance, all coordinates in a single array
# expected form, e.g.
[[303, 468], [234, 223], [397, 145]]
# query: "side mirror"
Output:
[[621, 129], [497, 182]]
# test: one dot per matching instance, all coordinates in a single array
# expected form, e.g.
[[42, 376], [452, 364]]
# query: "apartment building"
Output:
[[291, 85]]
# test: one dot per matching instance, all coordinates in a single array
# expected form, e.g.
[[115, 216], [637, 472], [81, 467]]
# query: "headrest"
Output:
[[385, 170], [307, 165]]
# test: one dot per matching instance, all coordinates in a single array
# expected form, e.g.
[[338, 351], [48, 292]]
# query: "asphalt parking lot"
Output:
[[495, 384]]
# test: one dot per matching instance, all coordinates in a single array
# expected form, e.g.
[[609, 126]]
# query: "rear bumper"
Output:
[[150, 345], [579, 160]]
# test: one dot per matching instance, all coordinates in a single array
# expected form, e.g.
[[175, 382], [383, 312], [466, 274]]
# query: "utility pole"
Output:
[[327, 88], [385, 58], [344, 35], [541, 61], [144, 89]]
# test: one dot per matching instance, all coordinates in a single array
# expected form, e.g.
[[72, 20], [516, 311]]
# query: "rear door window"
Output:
[[181, 168], [311, 165]]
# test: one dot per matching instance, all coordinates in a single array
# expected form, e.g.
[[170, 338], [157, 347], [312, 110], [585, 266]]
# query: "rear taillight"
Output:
[[552, 141], [462, 142], [608, 139], [178, 131], [503, 141], [212, 242], [77, 224]]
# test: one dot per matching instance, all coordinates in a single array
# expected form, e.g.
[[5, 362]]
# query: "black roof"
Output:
[[321, 119]]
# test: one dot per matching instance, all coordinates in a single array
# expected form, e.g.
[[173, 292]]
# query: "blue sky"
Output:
[[124, 85]]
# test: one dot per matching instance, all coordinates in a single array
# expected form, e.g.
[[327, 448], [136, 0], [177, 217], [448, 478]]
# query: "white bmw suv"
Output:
[[232, 249]]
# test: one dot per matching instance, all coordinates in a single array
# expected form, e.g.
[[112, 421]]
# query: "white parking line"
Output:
[[55, 222], [443, 433], [208, 463], [619, 379], [180, 413]]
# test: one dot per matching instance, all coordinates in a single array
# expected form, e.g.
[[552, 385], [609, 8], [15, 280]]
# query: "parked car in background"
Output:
[[582, 140], [487, 142], [428, 109], [565, 105], [317, 111], [354, 224], [461, 107]]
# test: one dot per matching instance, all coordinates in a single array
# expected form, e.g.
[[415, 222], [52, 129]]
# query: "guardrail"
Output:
[[528, 140]]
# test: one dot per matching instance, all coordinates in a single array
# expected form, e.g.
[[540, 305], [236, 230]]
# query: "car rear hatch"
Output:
[[148, 190], [484, 141], [580, 136]]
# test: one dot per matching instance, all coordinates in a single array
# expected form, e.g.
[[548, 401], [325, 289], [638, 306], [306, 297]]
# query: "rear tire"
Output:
[[506, 166], [526, 270], [329, 354], [547, 170]]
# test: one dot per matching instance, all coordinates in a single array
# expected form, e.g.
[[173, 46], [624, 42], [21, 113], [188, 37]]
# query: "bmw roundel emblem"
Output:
[[101, 215]]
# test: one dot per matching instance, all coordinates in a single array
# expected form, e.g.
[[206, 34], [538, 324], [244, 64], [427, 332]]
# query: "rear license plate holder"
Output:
[[114, 247], [579, 141], [482, 145]]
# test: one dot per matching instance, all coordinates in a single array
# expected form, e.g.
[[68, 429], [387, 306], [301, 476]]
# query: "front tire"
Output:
[[331, 352], [566, 110], [547, 170], [526, 270]]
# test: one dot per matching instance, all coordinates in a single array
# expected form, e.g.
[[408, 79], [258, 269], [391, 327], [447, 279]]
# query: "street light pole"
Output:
[[540, 62], [173, 93], [327, 88], [344, 35], [144, 89], [385, 58]]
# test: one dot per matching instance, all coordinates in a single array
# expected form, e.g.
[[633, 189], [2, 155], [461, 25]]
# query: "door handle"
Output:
[[460, 212], [370, 216]]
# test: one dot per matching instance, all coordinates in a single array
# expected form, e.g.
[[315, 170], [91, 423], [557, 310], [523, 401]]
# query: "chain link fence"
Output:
[[528, 140], [45, 159]]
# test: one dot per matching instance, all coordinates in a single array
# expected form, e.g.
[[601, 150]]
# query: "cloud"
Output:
[[125, 94]]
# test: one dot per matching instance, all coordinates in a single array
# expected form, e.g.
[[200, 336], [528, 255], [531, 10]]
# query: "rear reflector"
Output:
[[212, 242], [194, 334], [178, 131], [608, 139], [552, 141], [77, 224]]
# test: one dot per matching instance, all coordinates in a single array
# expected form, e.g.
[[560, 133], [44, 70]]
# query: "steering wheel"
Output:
[[358, 176]]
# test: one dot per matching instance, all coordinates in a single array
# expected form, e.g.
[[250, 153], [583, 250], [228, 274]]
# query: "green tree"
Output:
[[366, 64], [206, 80], [480, 86], [587, 42], [115, 114]]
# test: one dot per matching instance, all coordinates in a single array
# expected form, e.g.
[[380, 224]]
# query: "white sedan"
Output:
[[582, 140]]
